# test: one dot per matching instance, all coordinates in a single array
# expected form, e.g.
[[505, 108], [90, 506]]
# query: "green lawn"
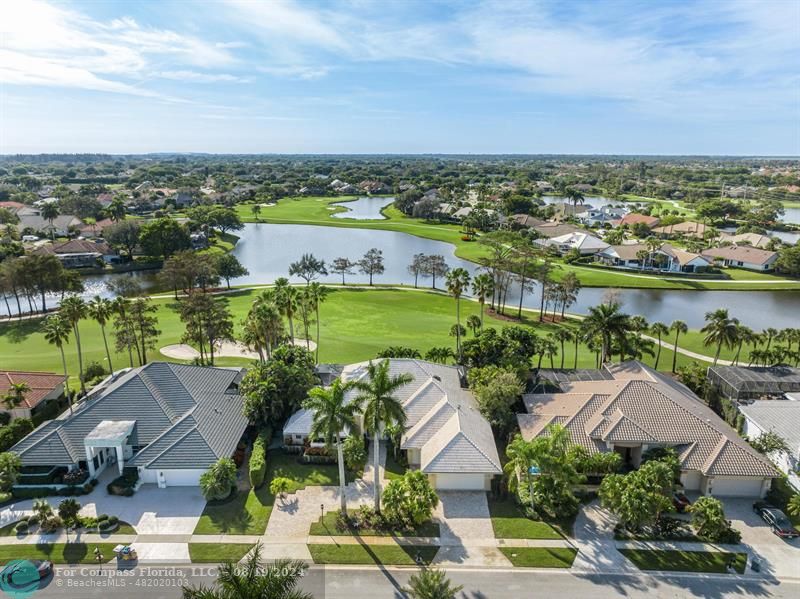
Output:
[[540, 557], [685, 561], [393, 469], [58, 553], [247, 513], [328, 528], [510, 523], [355, 325], [389, 555], [214, 553]]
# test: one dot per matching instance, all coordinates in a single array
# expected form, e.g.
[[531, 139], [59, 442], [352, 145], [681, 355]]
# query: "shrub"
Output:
[[21, 528], [218, 481], [355, 454], [102, 517], [258, 460], [410, 500], [5, 418], [32, 493], [113, 520], [708, 519], [93, 370]]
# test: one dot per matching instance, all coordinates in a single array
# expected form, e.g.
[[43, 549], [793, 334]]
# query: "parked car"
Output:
[[776, 520], [680, 501], [22, 571]]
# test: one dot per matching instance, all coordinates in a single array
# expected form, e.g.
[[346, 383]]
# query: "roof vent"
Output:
[[437, 377]]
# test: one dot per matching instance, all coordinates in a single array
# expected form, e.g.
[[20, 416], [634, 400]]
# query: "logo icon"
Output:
[[19, 579]]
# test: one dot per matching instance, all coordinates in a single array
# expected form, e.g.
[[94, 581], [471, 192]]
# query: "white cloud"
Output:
[[295, 71], [45, 44], [195, 77]]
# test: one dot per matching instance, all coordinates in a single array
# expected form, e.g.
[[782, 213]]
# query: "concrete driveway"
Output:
[[465, 529], [781, 557]]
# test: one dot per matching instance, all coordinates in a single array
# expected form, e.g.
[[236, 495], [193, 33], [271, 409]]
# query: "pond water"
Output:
[[363, 208], [267, 250]]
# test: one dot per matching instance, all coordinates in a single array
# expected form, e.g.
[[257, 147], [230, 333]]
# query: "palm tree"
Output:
[[431, 583], [607, 322], [563, 335], [50, 212], [659, 329], [267, 319], [457, 283], [56, 332], [520, 457], [474, 323], [333, 414], [316, 293], [73, 308], [254, 579], [744, 334], [116, 209], [482, 287], [256, 210], [101, 309], [720, 330], [768, 335], [679, 327], [376, 394], [286, 298], [16, 394]]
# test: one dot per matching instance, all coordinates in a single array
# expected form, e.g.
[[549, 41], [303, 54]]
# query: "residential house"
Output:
[[93, 230], [170, 421], [80, 253], [526, 220], [14, 207], [665, 258], [60, 227], [43, 387], [638, 409], [551, 229], [565, 210], [583, 242], [685, 229], [781, 417], [446, 436], [597, 217], [743, 256], [374, 187], [755, 240], [634, 218]]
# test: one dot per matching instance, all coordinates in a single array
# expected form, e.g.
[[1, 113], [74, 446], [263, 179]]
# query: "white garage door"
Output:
[[736, 487], [460, 482], [182, 478]]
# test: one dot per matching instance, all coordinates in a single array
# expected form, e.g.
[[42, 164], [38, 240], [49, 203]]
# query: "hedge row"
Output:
[[258, 459]]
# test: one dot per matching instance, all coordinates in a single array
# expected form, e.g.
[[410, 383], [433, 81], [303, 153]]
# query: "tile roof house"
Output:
[[170, 421], [634, 218], [782, 417], [526, 220], [667, 258], [446, 436], [685, 229], [60, 227], [638, 409], [79, 253], [44, 387], [583, 242], [743, 256], [753, 239]]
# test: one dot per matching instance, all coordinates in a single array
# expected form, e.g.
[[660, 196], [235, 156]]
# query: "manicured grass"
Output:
[[389, 555], [328, 528], [214, 553], [355, 324], [393, 469], [540, 557], [685, 561], [510, 523], [58, 553], [247, 513]]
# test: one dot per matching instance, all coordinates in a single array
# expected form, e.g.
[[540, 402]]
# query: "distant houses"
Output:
[[80, 253], [685, 229], [634, 218], [43, 387], [666, 258]]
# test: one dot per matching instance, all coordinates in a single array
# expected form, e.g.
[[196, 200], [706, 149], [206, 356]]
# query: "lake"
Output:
[[268, 249], [363, 208]]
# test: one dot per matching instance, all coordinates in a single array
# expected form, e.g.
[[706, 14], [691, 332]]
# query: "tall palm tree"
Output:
[[56, 332], [768, 335], [520, 458], [333, 414], [720, 329], [659, 329], [680, 328], [316, 294], [73, 308], [457, 283], [101, 309], [50, 213], [253, 578], [376, 395], [563, 335], [123, 326], [286, 298], [16, 394], [744, 334], [482, 288], [607, 322]]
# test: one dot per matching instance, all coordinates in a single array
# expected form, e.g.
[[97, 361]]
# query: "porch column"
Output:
[[120, 459], [90, 460]]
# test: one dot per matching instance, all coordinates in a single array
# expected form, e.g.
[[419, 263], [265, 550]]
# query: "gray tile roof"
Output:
[[186, 417]]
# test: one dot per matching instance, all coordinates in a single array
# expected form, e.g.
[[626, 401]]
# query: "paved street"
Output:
[[342, 582]]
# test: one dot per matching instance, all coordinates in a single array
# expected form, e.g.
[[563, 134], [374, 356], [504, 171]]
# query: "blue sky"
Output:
[[390, 76]]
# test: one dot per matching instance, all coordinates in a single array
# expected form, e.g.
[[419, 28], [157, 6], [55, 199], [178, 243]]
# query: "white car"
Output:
[[30, 238]]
